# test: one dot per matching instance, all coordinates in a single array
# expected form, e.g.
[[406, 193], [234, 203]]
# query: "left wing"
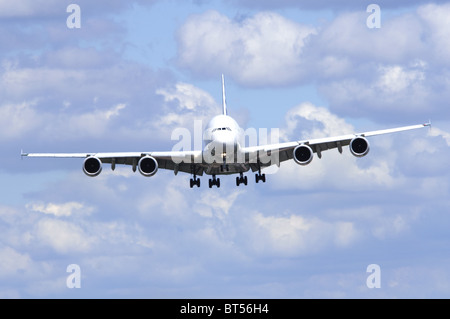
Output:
[[302, 151]]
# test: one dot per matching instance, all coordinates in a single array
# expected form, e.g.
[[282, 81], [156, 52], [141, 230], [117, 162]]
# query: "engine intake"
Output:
[[359, 146], [148, 166], [92, 166], [303, 154]]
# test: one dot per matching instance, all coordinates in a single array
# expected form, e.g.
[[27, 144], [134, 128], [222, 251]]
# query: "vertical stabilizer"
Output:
[[224, 104]]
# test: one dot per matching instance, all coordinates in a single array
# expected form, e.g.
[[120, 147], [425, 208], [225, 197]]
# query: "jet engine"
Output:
[[359, 146], [148, 166], [303, 154], [92, 166]]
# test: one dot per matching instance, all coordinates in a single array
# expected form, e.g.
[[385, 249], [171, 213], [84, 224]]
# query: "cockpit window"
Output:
[[221, 129]]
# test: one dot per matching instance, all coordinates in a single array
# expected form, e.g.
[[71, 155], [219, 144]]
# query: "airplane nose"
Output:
[[225, 138], [224, 142]]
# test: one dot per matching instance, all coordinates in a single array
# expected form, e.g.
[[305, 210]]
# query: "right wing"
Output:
[[177, 161]]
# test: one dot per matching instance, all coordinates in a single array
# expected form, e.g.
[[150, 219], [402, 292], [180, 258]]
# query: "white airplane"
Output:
[[224, 154]]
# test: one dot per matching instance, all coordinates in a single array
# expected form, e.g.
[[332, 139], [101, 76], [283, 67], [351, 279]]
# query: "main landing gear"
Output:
[[195, 181], [259, 176], [214, 181], [241, 179]]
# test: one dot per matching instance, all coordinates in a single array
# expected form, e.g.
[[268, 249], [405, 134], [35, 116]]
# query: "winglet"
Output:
[[22, 154], [224, 104]]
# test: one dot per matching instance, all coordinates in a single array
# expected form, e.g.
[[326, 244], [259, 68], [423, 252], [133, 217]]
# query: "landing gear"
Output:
[[259, 176], [214, 181], [241, 180], [195, 180]]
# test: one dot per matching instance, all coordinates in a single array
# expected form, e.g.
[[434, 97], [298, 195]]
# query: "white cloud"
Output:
[[314, 121], [434, 131], [261, 50], [65, 209], [184, 104], [435, 18], [394, 79], [296, 235], [13, 262], [64, 237], [188, 96], [215, 204], [18, 119]]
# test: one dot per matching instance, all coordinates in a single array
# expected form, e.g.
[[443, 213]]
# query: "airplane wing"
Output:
[[176, 161], [264, 155]]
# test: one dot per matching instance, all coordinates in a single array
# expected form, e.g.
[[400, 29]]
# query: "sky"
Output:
[[135, 71]]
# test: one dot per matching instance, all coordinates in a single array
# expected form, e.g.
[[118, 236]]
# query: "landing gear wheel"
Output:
[[241, 180], [260, 177], [214, 181], [194, 181]]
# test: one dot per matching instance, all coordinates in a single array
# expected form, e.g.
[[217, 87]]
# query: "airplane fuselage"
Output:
[[222, 150]]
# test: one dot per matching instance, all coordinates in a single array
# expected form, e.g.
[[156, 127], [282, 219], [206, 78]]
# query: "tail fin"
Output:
[[224, 104]]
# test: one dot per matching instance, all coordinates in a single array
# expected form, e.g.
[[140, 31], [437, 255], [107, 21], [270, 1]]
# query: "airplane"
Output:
[[224, 153]]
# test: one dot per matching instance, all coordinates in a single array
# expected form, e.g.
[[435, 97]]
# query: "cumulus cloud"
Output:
[[184, 104], [388, 73], [64, 237], [395, 70], [65, 209], [297, 235], [261, 50], [327, 5], [12, 262]]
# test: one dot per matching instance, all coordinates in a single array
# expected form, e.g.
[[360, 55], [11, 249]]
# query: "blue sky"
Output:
[[137, 70]]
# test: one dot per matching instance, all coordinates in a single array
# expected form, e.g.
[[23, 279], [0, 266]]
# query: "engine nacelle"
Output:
[[92, 166], [359, 146], [303, 154], [148, 166]]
